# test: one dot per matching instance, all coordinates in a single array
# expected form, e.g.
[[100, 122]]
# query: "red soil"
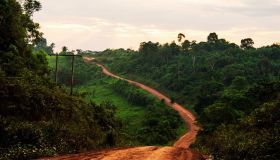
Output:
[[179, 151]]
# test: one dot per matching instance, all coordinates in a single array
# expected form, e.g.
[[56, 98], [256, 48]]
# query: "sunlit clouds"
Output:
[[97, 25]]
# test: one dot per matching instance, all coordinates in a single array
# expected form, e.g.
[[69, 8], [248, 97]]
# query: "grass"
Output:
[[97, 90], [156, 86], [130, 115]]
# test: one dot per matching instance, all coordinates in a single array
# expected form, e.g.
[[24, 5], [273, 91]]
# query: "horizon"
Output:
[[90, 25]]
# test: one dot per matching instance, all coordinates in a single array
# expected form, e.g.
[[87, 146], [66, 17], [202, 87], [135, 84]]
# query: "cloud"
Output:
[[255, 8], [97, 25]]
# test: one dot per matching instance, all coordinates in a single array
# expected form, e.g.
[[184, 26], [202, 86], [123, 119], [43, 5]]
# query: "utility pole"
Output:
[[72, 71]]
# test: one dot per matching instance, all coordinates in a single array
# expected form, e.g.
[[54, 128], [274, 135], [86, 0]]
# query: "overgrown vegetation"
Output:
[[37, 117], [234, 90], [142, 116], [160, 123], [83, 73]]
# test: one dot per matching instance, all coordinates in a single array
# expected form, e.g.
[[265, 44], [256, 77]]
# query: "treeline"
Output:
[[37, 117], [229, 86], [183, 68], [161, 122]]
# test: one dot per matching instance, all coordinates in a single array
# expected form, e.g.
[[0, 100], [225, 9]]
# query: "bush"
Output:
[[133, 94], [39, 119]]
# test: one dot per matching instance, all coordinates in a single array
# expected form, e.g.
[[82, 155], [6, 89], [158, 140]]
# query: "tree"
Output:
[[239, 83], [52, 46], [64, 49], [192, 52], [212, 60], [212, 38], [17, 33], [207, 94], [186, 45], [180, 37], [42, 45], [166, 52], [79, 51], [148, 47], [216, 114], [31, 6], [247, 43], [175, 49]]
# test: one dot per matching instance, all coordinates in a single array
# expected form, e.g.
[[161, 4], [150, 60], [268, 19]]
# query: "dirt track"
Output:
[[179, 151]]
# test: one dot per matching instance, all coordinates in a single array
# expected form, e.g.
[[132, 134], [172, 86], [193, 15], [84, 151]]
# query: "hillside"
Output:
[[212, 99], [233, 90], [180, 149], [134, 107], [38, 117]]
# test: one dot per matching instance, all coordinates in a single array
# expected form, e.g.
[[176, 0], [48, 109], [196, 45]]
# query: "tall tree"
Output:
[[247, 43], [193, 53], [175, 49], [186, 45], [64, 49], [180, 37], [212, 38], [148, 47], [17, 33]]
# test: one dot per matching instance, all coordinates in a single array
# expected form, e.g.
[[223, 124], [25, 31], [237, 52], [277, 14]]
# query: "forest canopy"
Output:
[[234, 89]]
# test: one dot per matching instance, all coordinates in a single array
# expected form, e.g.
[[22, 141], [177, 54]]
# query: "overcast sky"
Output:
[[101, 24]]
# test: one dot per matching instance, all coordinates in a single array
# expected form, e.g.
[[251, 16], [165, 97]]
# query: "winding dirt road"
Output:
[[179, 151]]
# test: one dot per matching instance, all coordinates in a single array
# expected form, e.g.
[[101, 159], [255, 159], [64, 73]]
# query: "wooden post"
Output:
[[56, 70], [72, 76]]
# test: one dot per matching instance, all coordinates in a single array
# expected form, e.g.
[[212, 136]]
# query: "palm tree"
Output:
[[180, 37]]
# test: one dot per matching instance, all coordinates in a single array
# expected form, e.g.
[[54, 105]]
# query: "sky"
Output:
[[100, 24]]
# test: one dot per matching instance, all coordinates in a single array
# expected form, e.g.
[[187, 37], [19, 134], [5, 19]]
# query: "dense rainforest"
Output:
[[234, 90], [39, 118]]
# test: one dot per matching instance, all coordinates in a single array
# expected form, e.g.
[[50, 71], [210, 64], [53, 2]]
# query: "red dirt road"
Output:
[[179, 151], [187, 139]]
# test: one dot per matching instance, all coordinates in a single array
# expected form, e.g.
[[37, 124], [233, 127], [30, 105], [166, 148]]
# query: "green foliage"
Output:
[[242, 124], [234, 90], [212, 38], [160, 125], [17, 32], [31, 6], [160, 122], [42, 45], [133, 105], [133, 95], [130, 115], [36, 115], [255, 136], [247, 43], [83, 73], [224, 83]]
